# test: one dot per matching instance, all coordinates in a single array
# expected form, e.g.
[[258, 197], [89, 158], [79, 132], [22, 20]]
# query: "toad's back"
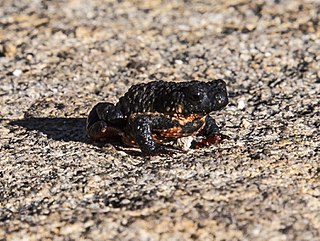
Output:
[[150, 97]]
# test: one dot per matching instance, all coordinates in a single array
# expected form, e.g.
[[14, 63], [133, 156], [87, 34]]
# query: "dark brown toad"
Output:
[[150, 115]]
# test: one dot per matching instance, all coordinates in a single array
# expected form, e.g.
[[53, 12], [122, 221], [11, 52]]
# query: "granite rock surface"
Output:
[[59, 58]]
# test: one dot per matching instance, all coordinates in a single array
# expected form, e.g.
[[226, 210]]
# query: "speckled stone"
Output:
[[59, 58]]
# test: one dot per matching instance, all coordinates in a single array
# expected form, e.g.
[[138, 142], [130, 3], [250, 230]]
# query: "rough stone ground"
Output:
[[59, 58]]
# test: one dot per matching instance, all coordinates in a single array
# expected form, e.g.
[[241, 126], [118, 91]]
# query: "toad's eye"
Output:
[[220, 98]]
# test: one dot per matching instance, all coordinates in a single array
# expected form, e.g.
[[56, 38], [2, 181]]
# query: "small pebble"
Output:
[[185, 142], [17, 72], [245, 124], [241, 104], [9, 50]]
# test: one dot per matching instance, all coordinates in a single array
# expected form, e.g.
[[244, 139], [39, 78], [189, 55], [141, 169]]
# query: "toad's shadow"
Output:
[[65, 129], [61, 129]]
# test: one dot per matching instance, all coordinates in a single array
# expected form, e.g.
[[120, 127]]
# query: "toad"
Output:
[[152, 115]]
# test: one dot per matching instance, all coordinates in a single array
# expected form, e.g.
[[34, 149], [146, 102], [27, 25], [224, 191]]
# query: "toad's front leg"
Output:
[[210, 133], [143, 127]]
